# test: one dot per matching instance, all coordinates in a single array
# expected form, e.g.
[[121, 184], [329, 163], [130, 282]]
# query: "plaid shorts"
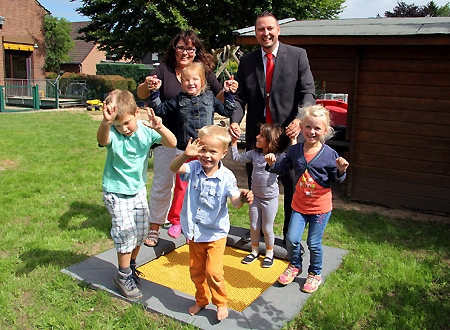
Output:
[[130, 220]]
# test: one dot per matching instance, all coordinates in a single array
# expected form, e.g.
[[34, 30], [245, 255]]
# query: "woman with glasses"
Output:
[[184, 49]]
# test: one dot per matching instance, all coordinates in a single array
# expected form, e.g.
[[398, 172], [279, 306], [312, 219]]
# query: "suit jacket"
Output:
[[292, 86]]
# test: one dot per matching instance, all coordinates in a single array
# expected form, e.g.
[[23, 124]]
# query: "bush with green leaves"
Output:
[[98, 85], [128, 70]]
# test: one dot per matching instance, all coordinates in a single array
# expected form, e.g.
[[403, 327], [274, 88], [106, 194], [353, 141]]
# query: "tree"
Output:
[[58, 42], [431, 9], [131, 29], [442, 11]]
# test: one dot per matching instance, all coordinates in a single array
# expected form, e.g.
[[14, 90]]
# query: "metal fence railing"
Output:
[[52, 93], [18, 95]]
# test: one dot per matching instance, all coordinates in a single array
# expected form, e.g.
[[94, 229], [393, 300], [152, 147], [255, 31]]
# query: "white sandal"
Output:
[[152, 238]]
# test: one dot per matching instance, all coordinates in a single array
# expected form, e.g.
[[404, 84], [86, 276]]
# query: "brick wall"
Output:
[[24, 24]]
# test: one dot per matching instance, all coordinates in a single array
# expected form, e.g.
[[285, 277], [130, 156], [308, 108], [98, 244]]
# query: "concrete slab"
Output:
[[268, 311]]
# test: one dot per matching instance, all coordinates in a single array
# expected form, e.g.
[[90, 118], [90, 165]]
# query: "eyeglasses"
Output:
[[181, 50]]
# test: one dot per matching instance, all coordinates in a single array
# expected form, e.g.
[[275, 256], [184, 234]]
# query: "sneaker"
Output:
[[289, 274], [174, 231], [127, 285], [136, 274], [312, 283]]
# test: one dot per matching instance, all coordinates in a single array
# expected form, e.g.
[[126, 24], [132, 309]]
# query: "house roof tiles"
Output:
[[82, 48]]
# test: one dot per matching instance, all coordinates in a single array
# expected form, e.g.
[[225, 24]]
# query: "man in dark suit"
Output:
[[292, 86]]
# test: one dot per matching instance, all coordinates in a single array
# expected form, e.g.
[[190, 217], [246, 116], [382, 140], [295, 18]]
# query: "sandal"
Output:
[[250, 258], [267, 262], [152, 238]]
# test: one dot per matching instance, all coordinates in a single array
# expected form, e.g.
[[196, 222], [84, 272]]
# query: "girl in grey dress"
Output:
[[271, 139]]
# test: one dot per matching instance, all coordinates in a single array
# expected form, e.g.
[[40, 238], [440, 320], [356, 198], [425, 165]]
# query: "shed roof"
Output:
[[402, 26], [411, 30], [82, 48]]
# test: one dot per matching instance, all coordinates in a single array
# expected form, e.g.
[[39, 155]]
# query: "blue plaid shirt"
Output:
[[204, 216]]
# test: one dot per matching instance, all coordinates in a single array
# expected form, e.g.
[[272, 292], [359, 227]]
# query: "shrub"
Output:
[[128, 70], [100, 85], [97, 85]]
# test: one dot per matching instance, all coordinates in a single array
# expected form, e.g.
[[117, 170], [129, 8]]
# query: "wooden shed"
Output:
[[396, 72]]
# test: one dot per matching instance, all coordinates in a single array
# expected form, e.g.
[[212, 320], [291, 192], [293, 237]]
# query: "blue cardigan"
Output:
[[322, 167]]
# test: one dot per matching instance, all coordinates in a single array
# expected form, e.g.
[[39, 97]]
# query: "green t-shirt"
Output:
[[127, 160]]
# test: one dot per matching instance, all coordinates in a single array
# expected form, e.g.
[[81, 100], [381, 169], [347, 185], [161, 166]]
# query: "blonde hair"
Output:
[[216, 132], [126, 104], [318, 111], [195, 67]]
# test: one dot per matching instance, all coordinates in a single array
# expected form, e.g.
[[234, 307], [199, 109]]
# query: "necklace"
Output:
[[178, 71], [178, 74]]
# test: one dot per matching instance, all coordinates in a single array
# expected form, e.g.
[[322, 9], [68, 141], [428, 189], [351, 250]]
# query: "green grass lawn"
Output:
[[395, 276]]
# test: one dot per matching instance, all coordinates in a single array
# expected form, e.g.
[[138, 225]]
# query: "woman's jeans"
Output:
[[317, 224]]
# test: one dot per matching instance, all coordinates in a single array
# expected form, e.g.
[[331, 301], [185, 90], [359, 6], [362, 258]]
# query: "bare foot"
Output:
[[222, 312], [195, 309]]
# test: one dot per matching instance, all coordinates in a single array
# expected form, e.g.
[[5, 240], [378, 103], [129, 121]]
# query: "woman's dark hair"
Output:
[[201, 55], [276, 137]]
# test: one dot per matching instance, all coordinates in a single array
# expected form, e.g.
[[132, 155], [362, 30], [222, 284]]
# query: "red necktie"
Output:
[[269, 73]]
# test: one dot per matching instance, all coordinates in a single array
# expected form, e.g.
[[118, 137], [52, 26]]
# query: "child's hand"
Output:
[[234, 85], [233, 140], [234, 130], [270, 159], [157, 84], [342, 164], [154, 121], [230, 85], [294, 129], [246, 196], [109, 112], [294, 137], [193, 148], [153, 83]]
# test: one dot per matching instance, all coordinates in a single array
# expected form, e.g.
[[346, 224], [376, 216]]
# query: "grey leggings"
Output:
[[262, 216]]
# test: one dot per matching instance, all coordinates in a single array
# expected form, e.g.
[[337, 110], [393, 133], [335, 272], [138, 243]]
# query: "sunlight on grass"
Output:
[[395, 276]]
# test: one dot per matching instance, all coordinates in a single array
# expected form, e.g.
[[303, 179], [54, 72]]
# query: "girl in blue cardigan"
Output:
[[316, 165]]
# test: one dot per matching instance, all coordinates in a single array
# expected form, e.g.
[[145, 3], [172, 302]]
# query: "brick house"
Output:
[[22, 54], [85, 55]]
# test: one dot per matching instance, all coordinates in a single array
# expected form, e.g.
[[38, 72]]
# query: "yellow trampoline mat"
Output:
[[244, 283]]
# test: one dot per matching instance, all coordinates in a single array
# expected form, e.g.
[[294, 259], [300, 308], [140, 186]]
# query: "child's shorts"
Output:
[[130, 220]]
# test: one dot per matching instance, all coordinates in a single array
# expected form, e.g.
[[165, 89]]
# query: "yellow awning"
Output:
[[27, 48]]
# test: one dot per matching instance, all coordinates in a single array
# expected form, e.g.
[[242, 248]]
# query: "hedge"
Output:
[[99, 85], [134, 71]]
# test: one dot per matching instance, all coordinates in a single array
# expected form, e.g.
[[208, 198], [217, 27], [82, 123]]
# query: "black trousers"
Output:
[[288, 182]]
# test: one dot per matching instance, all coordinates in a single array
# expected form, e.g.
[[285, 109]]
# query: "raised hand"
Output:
[[109, 112], [193, 148], [270, 159], [293, 129], [153, 83], [234, 130], [234, 86], [230, 85], [342, 164], [154, 121]]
